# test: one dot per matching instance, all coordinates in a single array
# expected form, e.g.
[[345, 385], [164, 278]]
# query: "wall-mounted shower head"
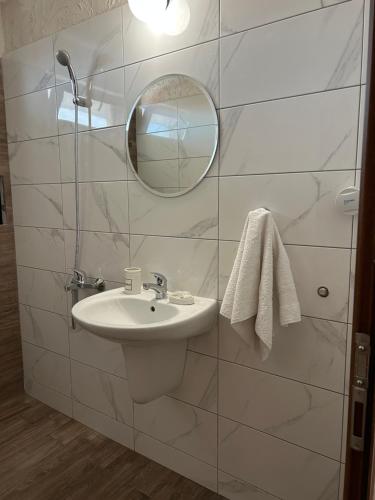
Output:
[[63, 58]]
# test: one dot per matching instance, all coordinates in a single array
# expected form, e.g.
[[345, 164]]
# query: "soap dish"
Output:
[[181, 298]]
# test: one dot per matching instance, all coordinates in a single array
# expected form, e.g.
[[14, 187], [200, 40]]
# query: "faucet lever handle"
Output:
[[161, 280]]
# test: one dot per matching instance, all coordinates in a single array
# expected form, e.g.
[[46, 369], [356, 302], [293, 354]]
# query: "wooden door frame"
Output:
[[359, 465]]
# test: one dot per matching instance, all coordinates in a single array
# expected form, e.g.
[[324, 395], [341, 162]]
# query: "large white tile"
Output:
[[29, 68], [46, 369], [312, 352], [117, 431], [318, 51], [197, 141], [312, 267], [94, 46], [186, 428], [251, 13], [302, 204], [236, 489], [103, 206], [362, 129], [142, 42], [34, 162], [41, 248], [105, 94], [101, 155], [101, 254], [42, 289], [31, 116], [199, 383], [281, 468], [345, 428], [366, 37], [206, 343], [45, 329], [199, 62], [353, 261], [193, 215], [102, 392], [51, 398], [298, 413], [37, 205], [176, 460], [160, 174], [157, 146], [97, 352], [188, 264], [308, 133]]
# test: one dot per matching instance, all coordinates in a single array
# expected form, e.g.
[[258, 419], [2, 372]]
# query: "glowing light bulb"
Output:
[[148, 10], [176, 18]]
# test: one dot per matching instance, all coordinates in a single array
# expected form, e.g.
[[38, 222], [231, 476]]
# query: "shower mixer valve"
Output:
[[80, 280]]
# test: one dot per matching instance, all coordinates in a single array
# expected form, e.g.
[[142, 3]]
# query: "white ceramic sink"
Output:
[[153, 335], [128, 318]]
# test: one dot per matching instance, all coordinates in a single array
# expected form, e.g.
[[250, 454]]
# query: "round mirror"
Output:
[[172, 135]]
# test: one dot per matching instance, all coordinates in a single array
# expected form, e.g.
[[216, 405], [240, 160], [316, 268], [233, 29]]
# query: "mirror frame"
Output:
[[133, 108]]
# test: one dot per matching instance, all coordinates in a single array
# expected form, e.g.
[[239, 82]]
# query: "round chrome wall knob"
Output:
[[323, 291]]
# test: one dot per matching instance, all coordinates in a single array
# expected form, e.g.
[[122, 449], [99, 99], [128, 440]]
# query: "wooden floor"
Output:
[[45, 455]]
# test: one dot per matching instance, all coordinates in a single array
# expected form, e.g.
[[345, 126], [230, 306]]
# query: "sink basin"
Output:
[[153, 335], [123, 318]]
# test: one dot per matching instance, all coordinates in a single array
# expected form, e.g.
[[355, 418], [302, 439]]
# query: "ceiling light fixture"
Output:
[[170, 17]]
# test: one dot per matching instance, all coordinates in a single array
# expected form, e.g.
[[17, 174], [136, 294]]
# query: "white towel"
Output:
[[260, 274]]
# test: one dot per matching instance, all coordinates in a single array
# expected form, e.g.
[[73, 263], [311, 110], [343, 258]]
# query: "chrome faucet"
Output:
[[79, 280], [160, 287]]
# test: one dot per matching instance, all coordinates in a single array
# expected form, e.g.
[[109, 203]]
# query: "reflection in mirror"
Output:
[[172, 135]]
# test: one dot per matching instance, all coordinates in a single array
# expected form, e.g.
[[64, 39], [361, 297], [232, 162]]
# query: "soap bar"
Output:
[[182, 298]]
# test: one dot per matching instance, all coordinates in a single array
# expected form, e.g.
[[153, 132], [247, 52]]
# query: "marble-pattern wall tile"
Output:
[[29, 68], [303, 206], [298, 413], [44, 329], [176, 460], [103, 206], [312, 267], [236, 489], [142, 42], [278, 467], [102, 392], [312, 352], [97, 352], [176, 258], [37, 205], [361, 126], [46, 369], [114, 246], [345, 428], [31, 116], [194, 215], [101, 155], [42, 289], [199, 384], [309, 133], [48, 396], [200, 62], [94, 45], [34, 162], [207, 343], [105, 94], [40, 247], [366, 38], [251, 13], [117, 431], [182, 426], [318, 51]]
